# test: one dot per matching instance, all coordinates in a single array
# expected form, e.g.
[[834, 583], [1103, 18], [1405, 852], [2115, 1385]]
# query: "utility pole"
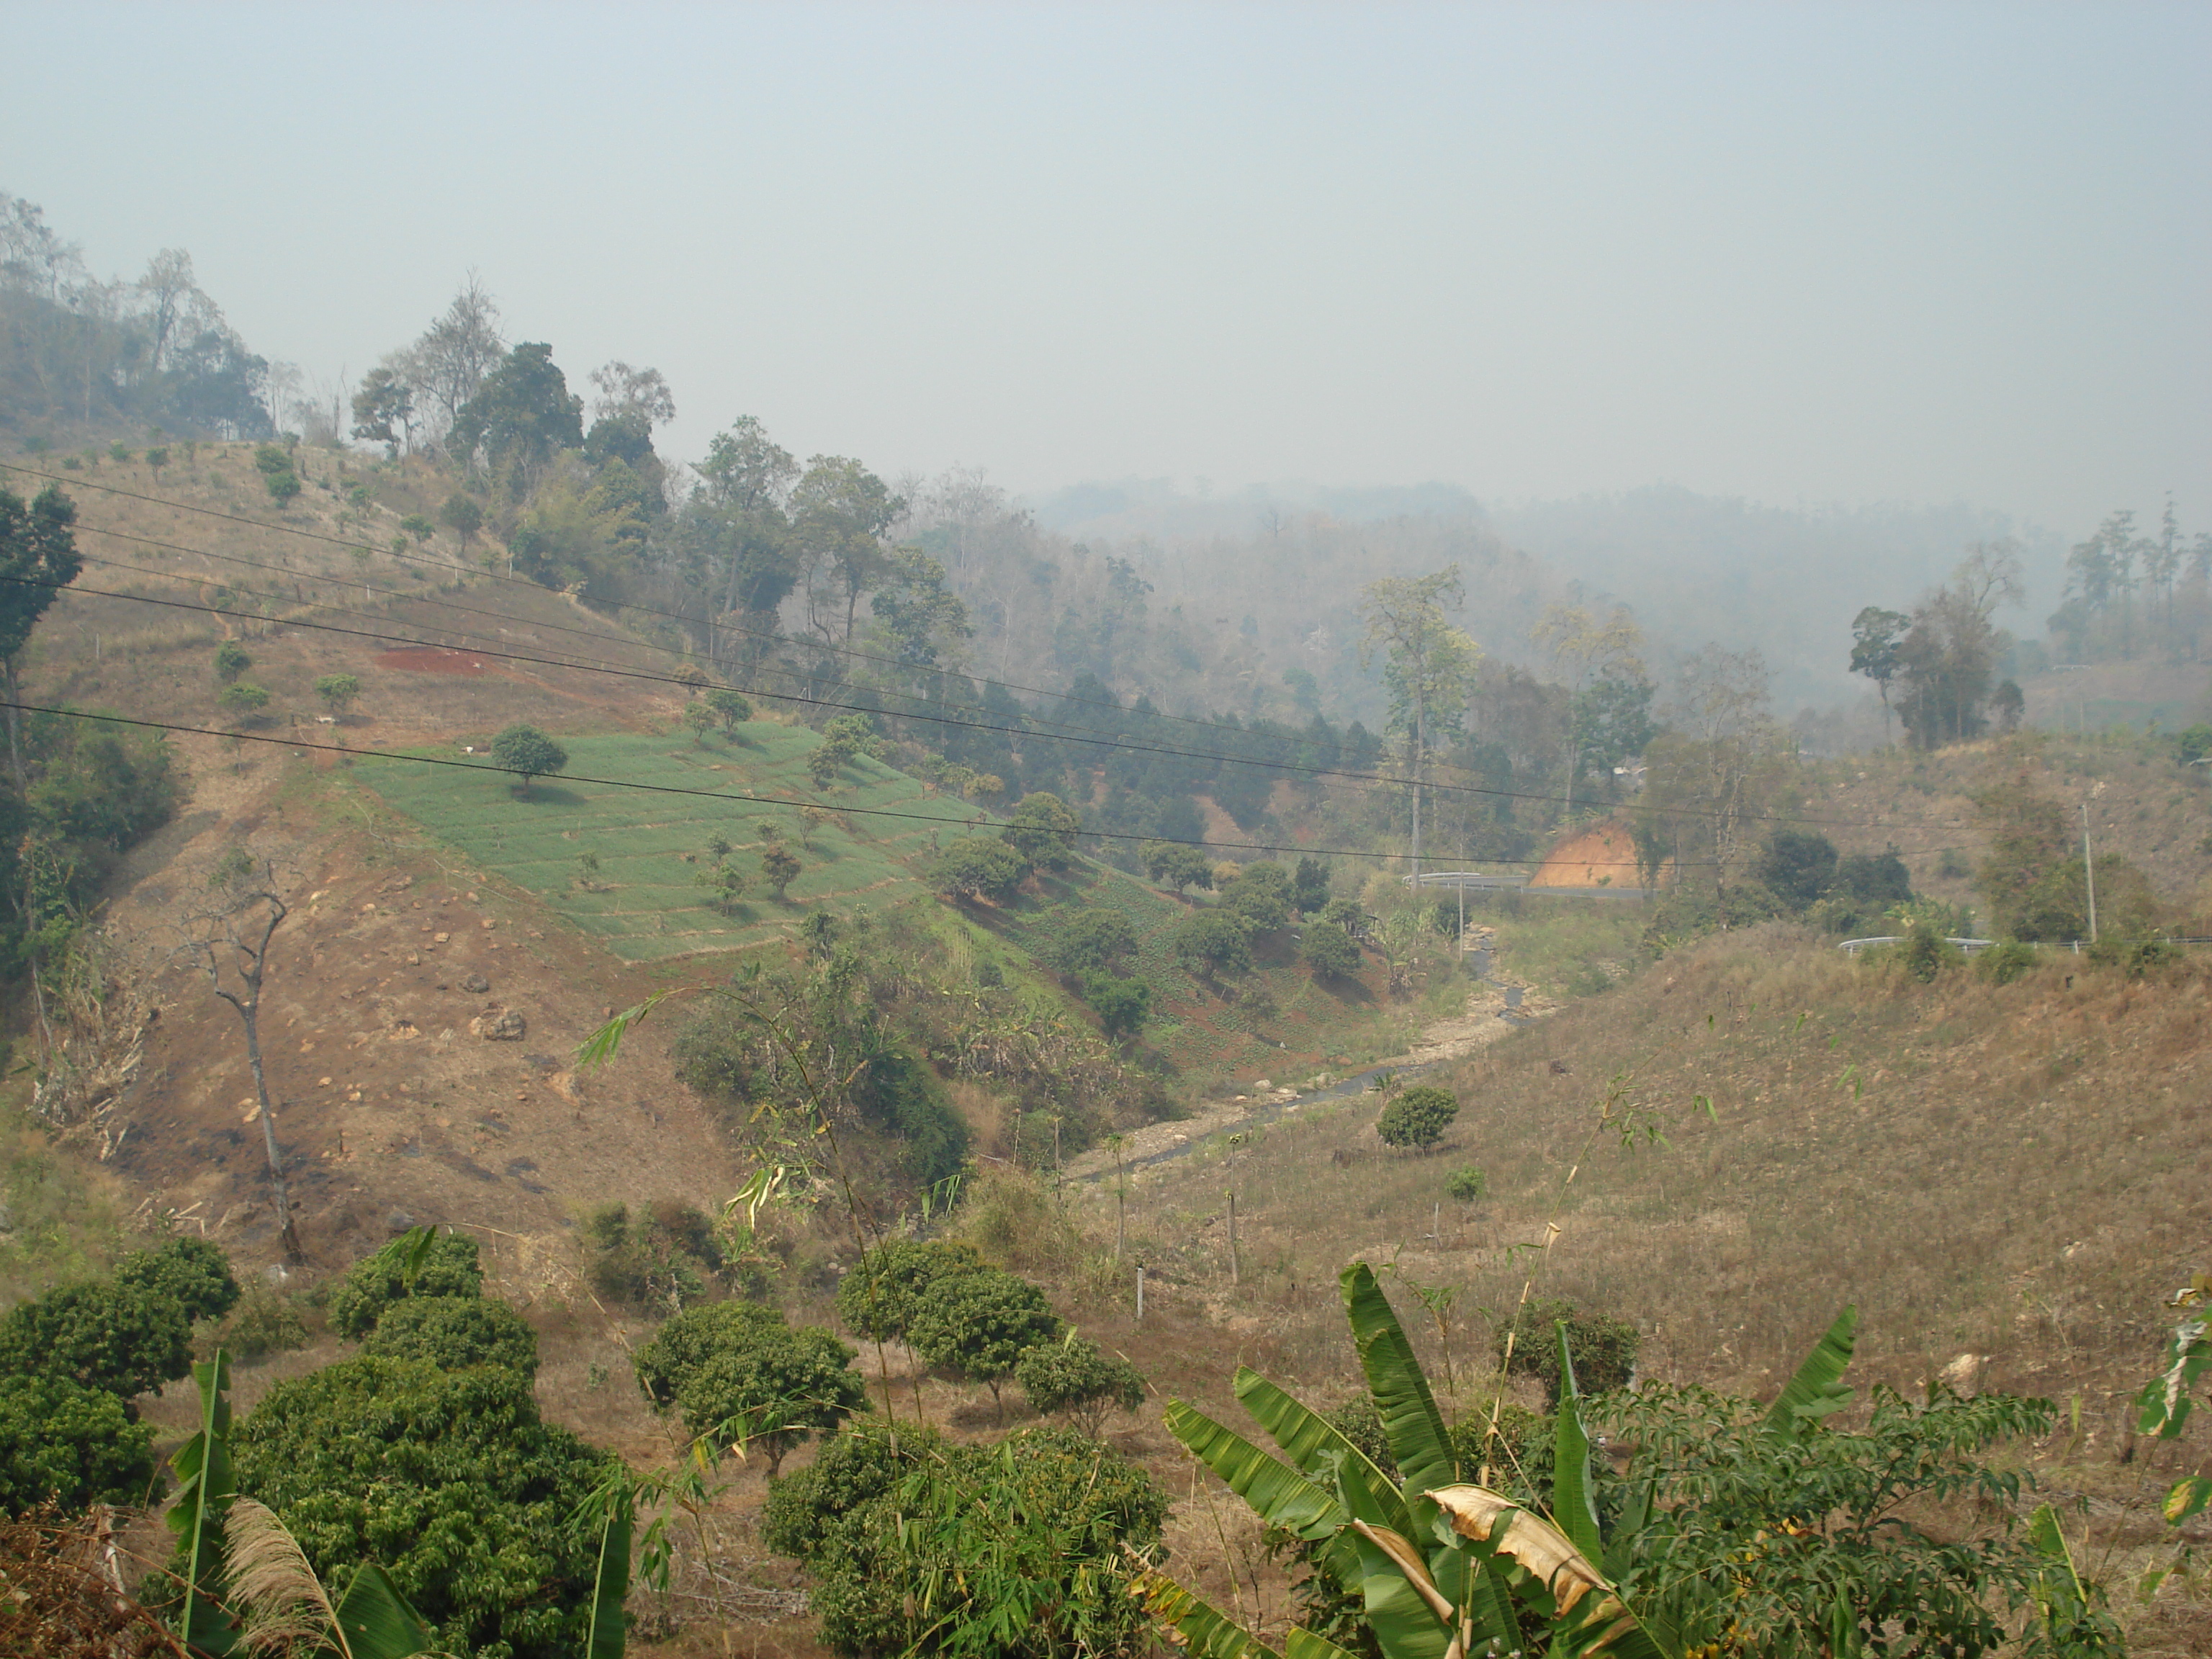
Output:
[[2089, 871]]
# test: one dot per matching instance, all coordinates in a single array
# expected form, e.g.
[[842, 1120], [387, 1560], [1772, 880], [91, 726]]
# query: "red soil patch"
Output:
[[1603, 855], [434, 659]]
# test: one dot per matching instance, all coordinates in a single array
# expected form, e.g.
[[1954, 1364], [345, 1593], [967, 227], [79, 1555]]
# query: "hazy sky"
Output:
[[1797, 252]]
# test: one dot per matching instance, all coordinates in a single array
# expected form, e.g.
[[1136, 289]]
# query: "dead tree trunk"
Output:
[[243, 928]]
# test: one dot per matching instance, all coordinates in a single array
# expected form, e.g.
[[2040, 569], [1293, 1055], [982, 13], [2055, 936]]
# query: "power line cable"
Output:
[[1029, 730], [178, 728]]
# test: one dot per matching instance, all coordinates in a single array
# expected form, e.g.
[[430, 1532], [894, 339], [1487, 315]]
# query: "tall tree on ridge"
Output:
[[1428, 664]]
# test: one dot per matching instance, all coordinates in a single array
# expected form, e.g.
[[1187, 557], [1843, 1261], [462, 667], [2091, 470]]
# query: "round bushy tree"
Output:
[[65, 1444], [453, 1332], [877, 1297], [449, 1481], [1328, 951], [1076, 1377], [772, 1390], [1043, 830], [688, 1340], [1417, 1118], [1094, 938], [1215, 939], [448, 1266], [978, 1325], [193, 1270], [123, 1340], [978, 866], [528, 753]]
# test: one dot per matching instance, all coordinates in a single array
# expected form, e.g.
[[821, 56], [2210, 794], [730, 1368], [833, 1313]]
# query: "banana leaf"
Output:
[[1304, 1644], [606, 1634], [205, 1489], [1547, 1571], [1411, 1421], [1280, 1496], [1201, 1630], [1572, 1505], [1311, 1443], [1818, 1388], [376, 1620], [1401, 1599]]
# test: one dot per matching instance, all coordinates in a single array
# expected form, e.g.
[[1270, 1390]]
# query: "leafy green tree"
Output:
[[462, 514], [157, 459], [839, 511], [1345, 913], [823, 761], [1329, 951], [1043, 830], [918, 610], [338, 692], [1875, 880], [726, 881], [1094, 938], [63, 1444], [729, 707], [1123, 1005], [1796, 865], [1024, 1543], [1260, 905], [451, 1481], [38, 559], [701, 720], [245, 699], [1309, 885], [194, 1272], [770, 1389], [1213, 938], [780, 868], [1611, 722], [978, 866], [283, 487], [528, 753], [1876, 635], [1417, 1118], [384, 410], [691, 1337], [1428, 665], [421, 1263], [978, 1325], [1177, 866], [1076, 1377], [1467, 1184], [521, 418], [419, 527], [455, 1331], [878, 1298], [121, 1339]]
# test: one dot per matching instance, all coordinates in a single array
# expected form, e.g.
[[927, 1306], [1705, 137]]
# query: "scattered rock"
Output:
[[1962, 1375], [509, 1027], [475, 984], [440, 939], [399, 1222]]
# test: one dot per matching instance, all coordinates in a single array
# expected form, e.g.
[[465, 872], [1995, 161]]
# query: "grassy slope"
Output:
[[652, 846]]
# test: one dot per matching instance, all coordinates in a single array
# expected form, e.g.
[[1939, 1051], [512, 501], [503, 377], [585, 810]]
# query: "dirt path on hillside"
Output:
[[1487, 1017]]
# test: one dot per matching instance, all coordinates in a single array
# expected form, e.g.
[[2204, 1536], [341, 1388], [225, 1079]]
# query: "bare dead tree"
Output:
[[229, 941]]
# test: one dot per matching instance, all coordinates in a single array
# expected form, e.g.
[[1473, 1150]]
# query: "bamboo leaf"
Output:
[[2061, 1582], [605, 1043], [1818, 1387], [1280, 1496], [606, 1634], [1411, 1421], [1201, 1630], [2186, 1499], [1572, 1506]]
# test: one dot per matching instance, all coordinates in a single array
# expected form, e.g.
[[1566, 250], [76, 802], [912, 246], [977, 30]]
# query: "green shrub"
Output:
[[1467, 1184], [664, 1256], [978, 1325], [1093, 938], [1123, 1005], [453, 1332], [979, 866], [686, 1342], [1603, 1348], [1417, 1118], [450, 1481], [1078, 1377], [191, 1270], [1024, 1543], [2005, 962], [448, 1266], [264, 1323], [1925, 953], [123, 1340], [230, 662], [1329, 951], [772, 1390], [63, 1444], [877, 1297], [1213, 938]]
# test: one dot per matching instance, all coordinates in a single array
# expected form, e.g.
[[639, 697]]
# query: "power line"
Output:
[[517, 581], [178, 728], [1121, 744]]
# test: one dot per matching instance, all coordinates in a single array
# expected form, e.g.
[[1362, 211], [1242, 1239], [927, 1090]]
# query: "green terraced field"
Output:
[[653, 908]]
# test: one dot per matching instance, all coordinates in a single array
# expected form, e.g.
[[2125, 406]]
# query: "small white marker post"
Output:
[[1141, 1295]]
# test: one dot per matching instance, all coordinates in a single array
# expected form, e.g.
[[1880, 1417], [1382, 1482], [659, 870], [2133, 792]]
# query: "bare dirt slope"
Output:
[[393, 1108]]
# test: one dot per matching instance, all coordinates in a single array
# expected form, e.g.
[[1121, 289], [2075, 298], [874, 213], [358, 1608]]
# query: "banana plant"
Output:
[[1445, 1570]]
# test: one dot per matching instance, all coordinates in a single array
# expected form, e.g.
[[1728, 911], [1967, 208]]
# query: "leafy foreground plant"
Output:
[[1751, 1533]]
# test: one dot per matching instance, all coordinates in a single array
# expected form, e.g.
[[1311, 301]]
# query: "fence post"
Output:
[[1141, 1295]]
